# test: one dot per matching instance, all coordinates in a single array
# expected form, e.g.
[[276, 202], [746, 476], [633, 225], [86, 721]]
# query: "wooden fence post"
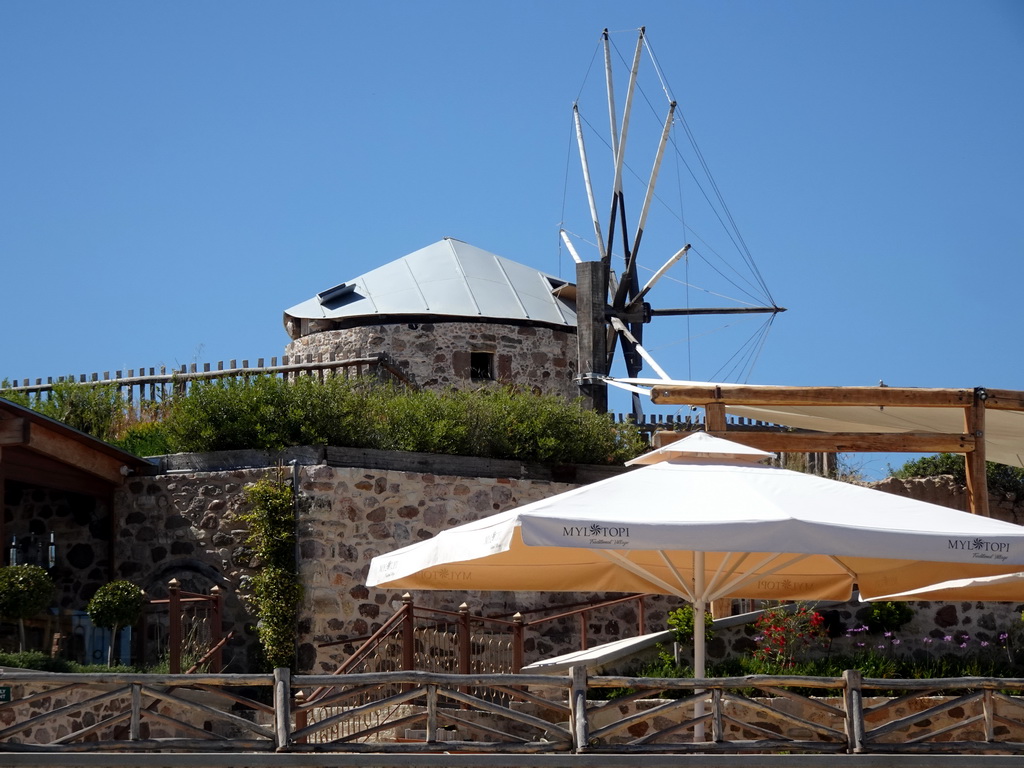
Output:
[[282, 706], [216, 628], [174, 634], [135, 726], [853, 699], [465, 640], [408, 634], [517, 643], [578, 708], [301, 716]]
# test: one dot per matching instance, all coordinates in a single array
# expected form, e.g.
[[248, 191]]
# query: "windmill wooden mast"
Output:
[[609, 308]]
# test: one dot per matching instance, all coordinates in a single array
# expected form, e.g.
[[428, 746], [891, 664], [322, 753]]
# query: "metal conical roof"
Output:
[[449, 279]]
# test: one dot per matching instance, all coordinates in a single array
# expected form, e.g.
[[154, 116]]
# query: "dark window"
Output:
[[481, 366]]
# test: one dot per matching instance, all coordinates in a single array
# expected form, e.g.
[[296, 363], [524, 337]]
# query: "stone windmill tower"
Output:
[[451, 316]]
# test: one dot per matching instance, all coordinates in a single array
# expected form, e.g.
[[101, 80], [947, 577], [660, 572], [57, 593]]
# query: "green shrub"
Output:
[[148, 438], [25, 590], [115, 605], [680, 621], [270, 413], [96, 409]]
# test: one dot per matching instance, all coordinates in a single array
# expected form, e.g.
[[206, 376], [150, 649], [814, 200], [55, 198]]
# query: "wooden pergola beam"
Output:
[[834, 396], [1002, 399], [849, 442]]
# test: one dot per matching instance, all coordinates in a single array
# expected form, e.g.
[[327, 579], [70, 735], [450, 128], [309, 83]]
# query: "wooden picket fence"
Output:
[[160, 384]]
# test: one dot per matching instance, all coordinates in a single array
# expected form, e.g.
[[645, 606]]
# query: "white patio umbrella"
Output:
[[707, 522], [1007, 588]]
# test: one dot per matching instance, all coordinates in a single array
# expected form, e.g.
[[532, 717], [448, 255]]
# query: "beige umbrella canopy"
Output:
[[1007, 588], [709, 522]]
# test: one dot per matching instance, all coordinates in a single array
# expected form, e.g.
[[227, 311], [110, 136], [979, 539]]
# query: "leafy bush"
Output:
[[25, 590], [115, 605]]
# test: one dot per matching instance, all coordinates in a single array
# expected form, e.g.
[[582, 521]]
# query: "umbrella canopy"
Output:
[[1008, 588], [706, 523]]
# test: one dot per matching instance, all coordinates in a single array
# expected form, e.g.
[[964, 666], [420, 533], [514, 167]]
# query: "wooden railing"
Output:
[[428, 712], [434, 640], [193, 629]]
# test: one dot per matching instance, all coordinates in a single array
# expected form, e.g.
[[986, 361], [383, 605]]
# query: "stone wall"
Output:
[[81, 528], [186, 525], [437, 355]]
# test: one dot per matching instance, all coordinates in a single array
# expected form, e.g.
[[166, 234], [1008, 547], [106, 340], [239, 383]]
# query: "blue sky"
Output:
[[173, 176]]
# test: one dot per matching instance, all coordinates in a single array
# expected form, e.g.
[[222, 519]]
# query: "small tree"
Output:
[[25, 590], [115, 605]]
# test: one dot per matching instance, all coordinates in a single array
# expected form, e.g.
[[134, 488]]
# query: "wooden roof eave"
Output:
[[24, 430]]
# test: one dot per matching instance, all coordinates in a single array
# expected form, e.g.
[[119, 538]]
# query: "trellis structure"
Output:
[[872, 419]]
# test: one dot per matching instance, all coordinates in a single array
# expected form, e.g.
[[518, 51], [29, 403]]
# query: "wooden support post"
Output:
[[714, 417], [974, 461], [174, 633], [591, 336]]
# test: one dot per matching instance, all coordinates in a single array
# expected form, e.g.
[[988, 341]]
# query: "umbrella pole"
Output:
[[699, 606]]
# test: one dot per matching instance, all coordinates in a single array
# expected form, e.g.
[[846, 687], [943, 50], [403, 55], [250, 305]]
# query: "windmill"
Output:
[[612, 308]]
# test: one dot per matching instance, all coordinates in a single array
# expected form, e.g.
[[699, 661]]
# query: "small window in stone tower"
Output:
[[481, 366]]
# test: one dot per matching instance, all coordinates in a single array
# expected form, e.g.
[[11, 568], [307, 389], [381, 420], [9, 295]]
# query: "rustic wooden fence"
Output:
[[425, 712], [159, 384]]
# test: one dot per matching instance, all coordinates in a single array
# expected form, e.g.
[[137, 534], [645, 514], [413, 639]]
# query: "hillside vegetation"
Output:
[[264, 412]]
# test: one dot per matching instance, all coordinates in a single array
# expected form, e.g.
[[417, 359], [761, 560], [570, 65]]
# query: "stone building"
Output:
[[451, 316]]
